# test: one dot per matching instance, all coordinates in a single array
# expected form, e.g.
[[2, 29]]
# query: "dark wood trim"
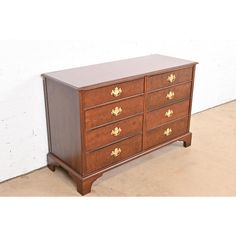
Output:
[[84, 187], [144, 113], [187, 139], [47, 114], [83, 128], [191, 96]]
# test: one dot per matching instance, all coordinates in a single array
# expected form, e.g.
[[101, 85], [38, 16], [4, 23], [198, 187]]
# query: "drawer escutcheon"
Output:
[[171, 78], [115, 132], [116, 152], [116, 111], [116, 92], [170, 95], [168, 132], [169, 113]]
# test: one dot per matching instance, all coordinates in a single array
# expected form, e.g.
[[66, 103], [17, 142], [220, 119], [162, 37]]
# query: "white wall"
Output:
[[23, 141]]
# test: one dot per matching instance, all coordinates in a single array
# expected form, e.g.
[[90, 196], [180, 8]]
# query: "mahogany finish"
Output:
[[161, 80], [101, 116], [102, 157], [94, 76], [64, 133], [158, 117], [107, 135], [159, 99], [156, 136], [102, 95]]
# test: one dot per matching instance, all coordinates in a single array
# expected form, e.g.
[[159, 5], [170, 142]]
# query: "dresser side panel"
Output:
[[64, 123], [47, 113], [191, 96]]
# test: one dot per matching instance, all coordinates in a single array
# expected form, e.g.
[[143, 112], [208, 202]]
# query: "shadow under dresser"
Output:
[[101, 116]]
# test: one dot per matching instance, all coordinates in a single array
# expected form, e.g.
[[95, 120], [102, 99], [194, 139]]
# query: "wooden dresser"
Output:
[[101, 116]]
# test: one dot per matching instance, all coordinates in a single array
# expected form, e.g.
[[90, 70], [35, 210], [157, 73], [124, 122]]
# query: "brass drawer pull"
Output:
[[116, 152], [171, 78], [116, 92], [169, 113], [170, 95], [116, 131], [116, 111], [168, 132]]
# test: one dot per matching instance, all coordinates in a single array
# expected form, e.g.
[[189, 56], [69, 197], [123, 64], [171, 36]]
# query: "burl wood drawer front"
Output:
[[111, 133], [158, 117], [168, 79], [114, 92], [113, 153], [168, 96], [113, 112], [166, 132]]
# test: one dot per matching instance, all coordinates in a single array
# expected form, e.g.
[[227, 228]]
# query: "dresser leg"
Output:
[[187, 139], [51, 164], [84, 185]]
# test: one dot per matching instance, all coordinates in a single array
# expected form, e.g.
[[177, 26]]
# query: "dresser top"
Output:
[[106, 73]]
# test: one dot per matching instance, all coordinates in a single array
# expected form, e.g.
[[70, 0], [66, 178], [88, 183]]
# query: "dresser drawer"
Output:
[[113, 112], [168, 79], [111, 133], [168, 96], [166, 132], [114, 153], [167, 114], [112, 93]]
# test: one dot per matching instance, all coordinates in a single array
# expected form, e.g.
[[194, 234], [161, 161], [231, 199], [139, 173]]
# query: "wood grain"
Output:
[[102, 136], [158, 117], [65, 129], [158, 99], [102, 95], [156, 136], [160, 80], [102, 158], [102, 115]]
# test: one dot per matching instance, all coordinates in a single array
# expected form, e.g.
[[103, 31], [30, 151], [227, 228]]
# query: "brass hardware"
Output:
[[116, 152], [168, 132], [116, 92], [171, 78], [169, 113], [170, 95], [116, 111], [116, 131]]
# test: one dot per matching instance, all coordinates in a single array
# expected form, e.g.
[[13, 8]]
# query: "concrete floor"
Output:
[[207, 168]]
